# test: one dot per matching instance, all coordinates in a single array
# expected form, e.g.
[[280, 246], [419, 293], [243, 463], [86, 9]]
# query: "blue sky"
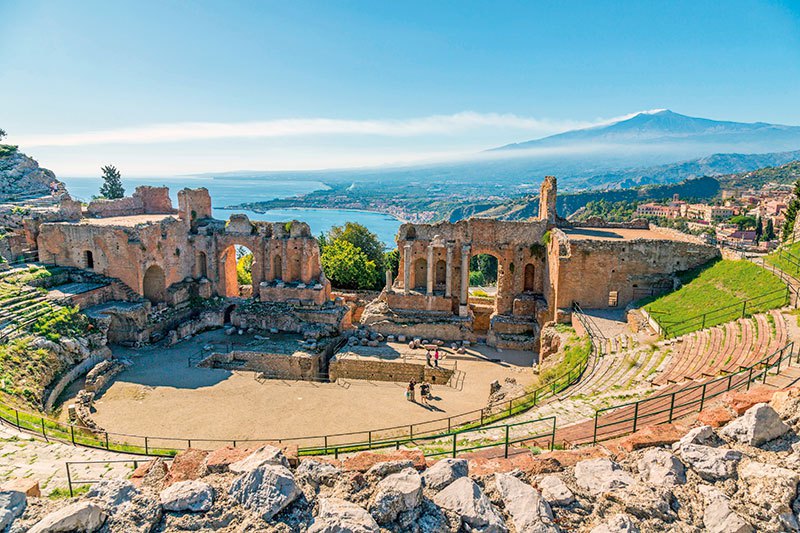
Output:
[[175, 87]]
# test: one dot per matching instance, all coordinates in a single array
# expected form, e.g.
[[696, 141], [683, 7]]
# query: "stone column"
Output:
[[284, 262], [462, 311], [430, 270], [406, 269], [388, 281], [448, 273]]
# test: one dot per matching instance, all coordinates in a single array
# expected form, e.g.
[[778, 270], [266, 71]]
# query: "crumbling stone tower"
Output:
[[547, 200]]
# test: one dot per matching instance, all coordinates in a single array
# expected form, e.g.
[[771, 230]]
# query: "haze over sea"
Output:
[[231, 190]]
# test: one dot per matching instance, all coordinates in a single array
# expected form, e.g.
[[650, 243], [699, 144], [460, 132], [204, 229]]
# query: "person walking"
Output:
[[425, 391], [427, 357], [411, 385], [436, 358]]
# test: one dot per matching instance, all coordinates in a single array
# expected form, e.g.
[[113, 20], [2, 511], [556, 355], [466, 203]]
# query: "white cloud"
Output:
[[194, 131]]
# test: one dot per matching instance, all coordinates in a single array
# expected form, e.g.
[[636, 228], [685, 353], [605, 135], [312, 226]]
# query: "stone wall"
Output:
[[74, 373], [376, 370], [300, 366], [145, 200]]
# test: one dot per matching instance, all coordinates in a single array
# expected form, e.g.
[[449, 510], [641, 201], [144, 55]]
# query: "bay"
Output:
[[232, 190]]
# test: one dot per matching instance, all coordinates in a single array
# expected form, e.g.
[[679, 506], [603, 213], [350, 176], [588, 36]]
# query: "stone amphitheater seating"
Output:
[[724, 349], [20, 306]]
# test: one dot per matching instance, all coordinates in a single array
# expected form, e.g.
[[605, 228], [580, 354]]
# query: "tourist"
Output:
[[425, 391], [427, 357], [411, 385], [436, 358]]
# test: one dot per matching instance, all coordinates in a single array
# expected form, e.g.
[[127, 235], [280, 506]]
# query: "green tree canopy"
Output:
[[348, 267], [359, 236], [112, 183], [769, 231], [2, 134], [244, 269], [791, 212], [744, 222]]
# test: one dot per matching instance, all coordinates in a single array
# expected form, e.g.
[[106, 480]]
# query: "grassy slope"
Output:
[[787, 260], [722, 285]]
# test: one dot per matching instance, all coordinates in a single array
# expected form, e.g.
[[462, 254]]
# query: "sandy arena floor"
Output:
[[160, 395]]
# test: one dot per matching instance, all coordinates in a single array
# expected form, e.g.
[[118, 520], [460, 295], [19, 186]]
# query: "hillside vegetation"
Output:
[[718, 291]]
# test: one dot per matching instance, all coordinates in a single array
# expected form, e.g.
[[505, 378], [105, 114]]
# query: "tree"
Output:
[[360, 237], [244, 269], [791, 212], [2, 134], [348, 267], [759, 229], [744, 221], [112, 183], [391, 261], [769, 232]]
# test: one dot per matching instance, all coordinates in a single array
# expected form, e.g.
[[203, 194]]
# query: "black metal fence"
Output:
[[618, 420]]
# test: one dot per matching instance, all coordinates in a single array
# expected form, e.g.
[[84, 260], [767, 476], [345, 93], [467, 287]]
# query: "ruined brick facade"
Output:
[[153, 248]]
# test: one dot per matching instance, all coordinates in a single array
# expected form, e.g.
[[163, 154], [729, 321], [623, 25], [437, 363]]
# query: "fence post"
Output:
[[506, 452], [535, 393], [44, 434], [553, 436], [749, 378], [17, 413], [106, 440], [369, 439], [509, 407], [454, 445], [448, 424], [69, 481], [744, 308], [594, 435], [635, 416], [671, 407], [72, 433], [704, 321], [146, 448], [326, 445], [703, 396]]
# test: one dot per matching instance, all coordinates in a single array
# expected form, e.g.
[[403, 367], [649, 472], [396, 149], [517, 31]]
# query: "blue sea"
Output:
[[231, 190]]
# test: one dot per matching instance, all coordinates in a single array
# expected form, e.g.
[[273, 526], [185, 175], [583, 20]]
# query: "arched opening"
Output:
[[89, 259], [530, 278], [420, 274], [201, 266], [154, 284], [411, 233], [237, 271], [277, 267], [440, 277], [483, 271], [227, 315]]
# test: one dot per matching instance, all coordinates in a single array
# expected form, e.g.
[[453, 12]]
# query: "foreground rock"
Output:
[[620, 523], [444, 472], [397, 493], [465, 498], [526, 507], [555, 491], [188, 496], [601, 475], [266, 490], [711, 463], [128, 508], [760, 424], [12, 505], [718, 516], [659, 467], [340, 516], [266, 455], [83, 516]]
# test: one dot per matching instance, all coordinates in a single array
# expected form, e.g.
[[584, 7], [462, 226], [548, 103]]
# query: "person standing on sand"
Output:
[[411, 385], [436, 358], [427, 357]]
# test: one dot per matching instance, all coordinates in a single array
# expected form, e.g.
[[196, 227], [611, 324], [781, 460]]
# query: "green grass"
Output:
[[718, 291], [62, 494], [787, 259]]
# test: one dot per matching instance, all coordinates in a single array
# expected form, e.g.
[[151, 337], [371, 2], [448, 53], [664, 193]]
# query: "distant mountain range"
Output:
[[667, 128]]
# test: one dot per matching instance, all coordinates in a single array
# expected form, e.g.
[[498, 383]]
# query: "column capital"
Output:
[[465, 248]]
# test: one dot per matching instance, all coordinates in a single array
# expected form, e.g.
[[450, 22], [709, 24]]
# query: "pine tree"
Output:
[[769, 232], [791, 212], [759, 229], [112, 183], [2, 133]]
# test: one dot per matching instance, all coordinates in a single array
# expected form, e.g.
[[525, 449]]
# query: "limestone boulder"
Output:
[[187, 464], [395, 494], [381, 470], [555, 491], [710, 463], [703, 435], [772, 489], [340, 516], [760, 424], [466, 499], [84, 516], [128, 508], [525, 505], [317, 473], [601, 475], [718, 516], [220, 460], [265, 490], [266, 455], [194, 496], [444, 472], [619, 523], [12, 505], [659, 467]]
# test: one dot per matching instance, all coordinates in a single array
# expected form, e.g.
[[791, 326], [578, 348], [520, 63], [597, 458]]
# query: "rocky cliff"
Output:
[[21, 177]]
